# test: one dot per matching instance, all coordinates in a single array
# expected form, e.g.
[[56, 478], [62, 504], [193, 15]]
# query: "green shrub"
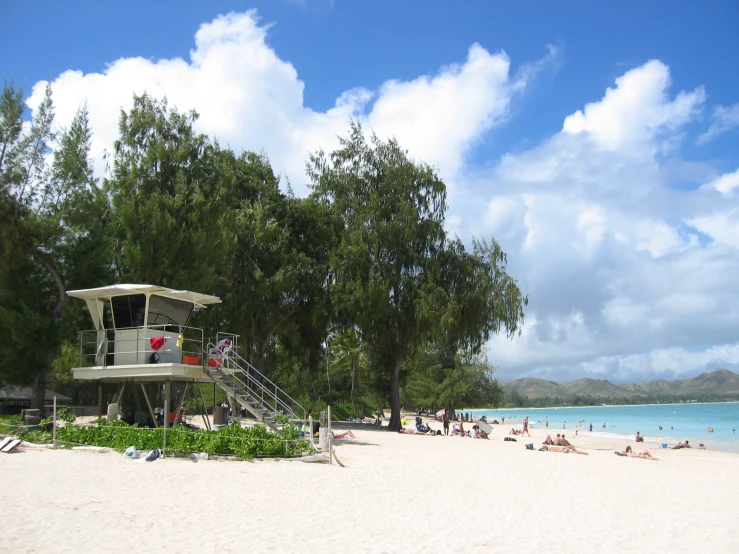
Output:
[[9, 424], [233, 440]]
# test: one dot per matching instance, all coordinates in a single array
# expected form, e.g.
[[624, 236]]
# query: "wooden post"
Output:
[[330, 438], [53, 423], [100, 399], [322, 431], [166, 417]]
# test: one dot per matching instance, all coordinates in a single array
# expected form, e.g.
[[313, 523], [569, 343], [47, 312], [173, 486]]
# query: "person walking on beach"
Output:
[[525, 426], [445, 420]]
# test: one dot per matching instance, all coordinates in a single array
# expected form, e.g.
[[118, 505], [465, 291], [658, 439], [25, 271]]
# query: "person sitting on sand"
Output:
[[702, 446], [680, 445], [565, 449], [344, 434], [473, 432], [564, 442], [458, 429], [481, 434], [421, 427], [549, 440], [639, 438]]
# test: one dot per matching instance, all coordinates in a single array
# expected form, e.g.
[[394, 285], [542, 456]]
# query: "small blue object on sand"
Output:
[[664, 445]]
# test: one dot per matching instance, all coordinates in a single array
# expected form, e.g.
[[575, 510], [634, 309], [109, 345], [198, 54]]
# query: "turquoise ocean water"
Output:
[[678, 421]]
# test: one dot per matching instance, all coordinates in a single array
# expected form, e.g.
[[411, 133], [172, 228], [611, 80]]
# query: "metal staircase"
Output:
[[250, 388]]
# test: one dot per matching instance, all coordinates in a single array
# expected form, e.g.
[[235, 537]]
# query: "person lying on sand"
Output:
[[405, 431], [344, 434], [646, 454], [680, 445], [565, 449]]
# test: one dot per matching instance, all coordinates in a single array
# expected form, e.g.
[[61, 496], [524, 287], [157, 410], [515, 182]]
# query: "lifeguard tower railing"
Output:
[[246, 384], [133, 346]]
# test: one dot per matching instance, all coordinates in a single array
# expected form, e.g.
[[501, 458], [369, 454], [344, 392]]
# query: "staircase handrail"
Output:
[[235, 358]]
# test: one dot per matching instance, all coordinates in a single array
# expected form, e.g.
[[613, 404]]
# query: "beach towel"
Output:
[[157, 342]]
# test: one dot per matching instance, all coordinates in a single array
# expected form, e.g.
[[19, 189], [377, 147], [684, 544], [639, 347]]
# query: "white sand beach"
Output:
[[396, 493]]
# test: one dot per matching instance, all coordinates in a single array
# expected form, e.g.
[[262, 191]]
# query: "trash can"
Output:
[[220, 415]]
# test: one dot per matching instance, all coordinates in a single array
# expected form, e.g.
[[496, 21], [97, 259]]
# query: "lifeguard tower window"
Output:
[[168, 311], [128, 311], [107, 314]]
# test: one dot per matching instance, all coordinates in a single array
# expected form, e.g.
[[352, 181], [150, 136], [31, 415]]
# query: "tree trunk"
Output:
[[394, 424], [352, 393], [39, 383], [39, 392]]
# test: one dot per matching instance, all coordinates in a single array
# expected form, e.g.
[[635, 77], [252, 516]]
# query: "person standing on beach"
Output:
[[445, 420], [525, 426]]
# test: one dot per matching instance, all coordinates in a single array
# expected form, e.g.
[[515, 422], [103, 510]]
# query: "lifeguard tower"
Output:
[[141, 335]]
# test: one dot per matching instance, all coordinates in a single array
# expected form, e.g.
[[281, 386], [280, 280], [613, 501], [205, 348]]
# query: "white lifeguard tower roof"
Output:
[[198, 299]]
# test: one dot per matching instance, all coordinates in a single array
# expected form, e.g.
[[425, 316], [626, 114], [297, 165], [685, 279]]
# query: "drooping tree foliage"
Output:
[[52, 236], [353, 293], [397, 277]]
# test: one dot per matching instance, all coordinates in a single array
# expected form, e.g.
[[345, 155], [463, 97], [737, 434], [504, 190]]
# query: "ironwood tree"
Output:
[[52, 216], [395, 272]]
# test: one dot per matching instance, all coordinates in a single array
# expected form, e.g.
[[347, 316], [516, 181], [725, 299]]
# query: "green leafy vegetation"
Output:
[[233, 440]]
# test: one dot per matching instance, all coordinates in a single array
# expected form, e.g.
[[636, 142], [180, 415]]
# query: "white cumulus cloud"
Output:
[[249, 98], [621, 265], [724, 119]]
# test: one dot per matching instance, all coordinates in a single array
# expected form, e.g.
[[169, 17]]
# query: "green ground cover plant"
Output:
[[233, 440]]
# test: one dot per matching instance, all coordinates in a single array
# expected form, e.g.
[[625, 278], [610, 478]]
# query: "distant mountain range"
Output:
[[719, 383]]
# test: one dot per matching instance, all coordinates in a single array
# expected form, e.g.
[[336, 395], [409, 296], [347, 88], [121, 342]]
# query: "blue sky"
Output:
[[618, 207]]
